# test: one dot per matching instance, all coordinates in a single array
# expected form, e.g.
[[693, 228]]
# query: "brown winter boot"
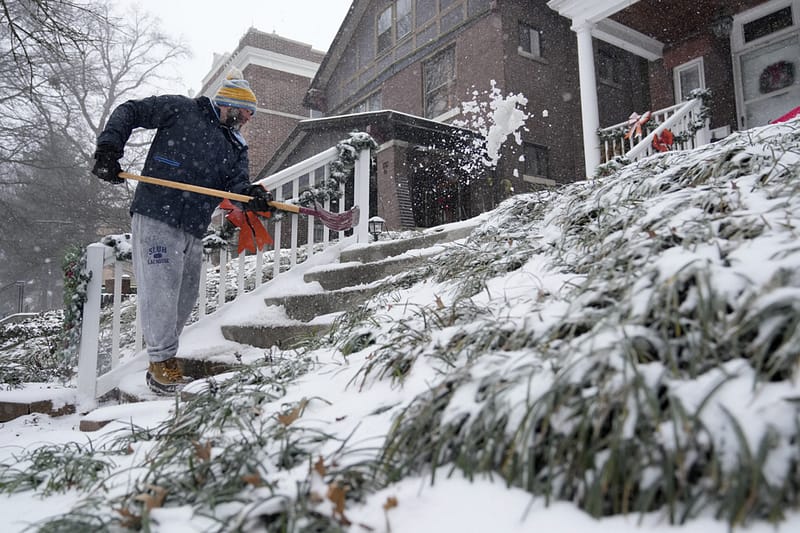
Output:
[[166, 377]]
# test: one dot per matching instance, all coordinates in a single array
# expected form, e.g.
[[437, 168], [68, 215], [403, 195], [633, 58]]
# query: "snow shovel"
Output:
[[333, 221]]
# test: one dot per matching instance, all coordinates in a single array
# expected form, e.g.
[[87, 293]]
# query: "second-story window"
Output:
[[530, 42], [403, 18], [438, 75], [394, 23], [385, 30]]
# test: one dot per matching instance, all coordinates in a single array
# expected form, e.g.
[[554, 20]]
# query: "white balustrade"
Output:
[[681, 119]]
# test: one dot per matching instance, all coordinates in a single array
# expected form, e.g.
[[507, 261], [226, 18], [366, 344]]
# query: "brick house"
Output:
[[400, 69], [745, 51], [423, 59]]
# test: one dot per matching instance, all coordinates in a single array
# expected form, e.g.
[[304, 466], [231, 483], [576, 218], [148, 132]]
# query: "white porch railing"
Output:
[[684, 121], [285, 184]]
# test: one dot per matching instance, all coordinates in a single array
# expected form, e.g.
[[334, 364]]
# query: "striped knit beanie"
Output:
[[236, 92]]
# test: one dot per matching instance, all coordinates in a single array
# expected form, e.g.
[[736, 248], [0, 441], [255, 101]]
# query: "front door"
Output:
[[766, 53]]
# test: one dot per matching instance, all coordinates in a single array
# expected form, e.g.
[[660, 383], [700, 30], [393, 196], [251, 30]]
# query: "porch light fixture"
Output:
[[376, 226], [722, 24]]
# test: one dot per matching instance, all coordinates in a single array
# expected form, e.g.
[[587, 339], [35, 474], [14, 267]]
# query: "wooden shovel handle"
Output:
[[205, 190]]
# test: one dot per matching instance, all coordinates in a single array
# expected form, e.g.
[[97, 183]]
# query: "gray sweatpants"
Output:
[[166, 263]]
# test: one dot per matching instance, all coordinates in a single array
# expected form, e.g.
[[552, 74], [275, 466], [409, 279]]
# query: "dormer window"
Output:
[[394, 23]]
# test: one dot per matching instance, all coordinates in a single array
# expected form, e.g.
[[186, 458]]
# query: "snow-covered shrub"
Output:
[[659, 376]]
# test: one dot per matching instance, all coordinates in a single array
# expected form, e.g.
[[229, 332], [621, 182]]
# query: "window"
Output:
[[385, 30], [403, 18], [768, 24], [609, 69], [537, 163], [438, 74], [426, 10], [529, 41], [370, 103], [394, 23], [688, 77]]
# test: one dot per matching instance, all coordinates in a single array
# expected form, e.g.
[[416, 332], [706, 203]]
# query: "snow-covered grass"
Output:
[[625, 349]]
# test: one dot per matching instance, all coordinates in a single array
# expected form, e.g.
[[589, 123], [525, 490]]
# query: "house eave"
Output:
[[337, 50], [588, 10], [628, 39]]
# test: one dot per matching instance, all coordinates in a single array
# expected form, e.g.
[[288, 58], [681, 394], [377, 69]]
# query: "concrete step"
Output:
[[267, 335], [305, 307], [383, 249], [354, 274], [30, 398], [133, 388]]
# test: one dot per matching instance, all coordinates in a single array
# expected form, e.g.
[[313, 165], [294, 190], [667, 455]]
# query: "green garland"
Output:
[[340, 169], [618, 133], [76, 281], [121, 244], [219, 238]]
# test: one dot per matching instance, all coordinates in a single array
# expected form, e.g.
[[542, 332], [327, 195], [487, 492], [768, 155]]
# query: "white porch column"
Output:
[[590, 113]]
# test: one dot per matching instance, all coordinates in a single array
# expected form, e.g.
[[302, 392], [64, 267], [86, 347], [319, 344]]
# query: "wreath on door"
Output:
[[776, 76]]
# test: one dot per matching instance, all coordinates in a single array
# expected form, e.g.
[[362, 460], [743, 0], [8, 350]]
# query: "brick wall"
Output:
[[716, 54], [280, 45], [279, 93]]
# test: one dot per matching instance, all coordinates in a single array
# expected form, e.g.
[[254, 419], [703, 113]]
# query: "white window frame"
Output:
[[449, 50], [745, 17], [739, 47], [389, 30], [535, 43], [392, 31], [694, 64], [537, 179]]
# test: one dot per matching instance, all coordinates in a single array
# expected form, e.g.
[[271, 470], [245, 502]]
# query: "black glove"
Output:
[[260, 201], [106, 163]]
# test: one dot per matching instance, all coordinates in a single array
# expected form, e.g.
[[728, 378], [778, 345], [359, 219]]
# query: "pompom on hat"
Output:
[[236, 92]]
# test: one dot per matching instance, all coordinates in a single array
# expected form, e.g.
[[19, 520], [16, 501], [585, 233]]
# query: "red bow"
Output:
[[663, 143], [252, 233], [636, 122]]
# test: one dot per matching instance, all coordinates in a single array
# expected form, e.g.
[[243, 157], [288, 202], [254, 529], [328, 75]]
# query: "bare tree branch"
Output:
[[52, 113]]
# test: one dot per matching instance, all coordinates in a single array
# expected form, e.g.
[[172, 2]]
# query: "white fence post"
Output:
[[361, 195], [240, 280], [223, 277], [90, 327], [116, 323], [203, 296]]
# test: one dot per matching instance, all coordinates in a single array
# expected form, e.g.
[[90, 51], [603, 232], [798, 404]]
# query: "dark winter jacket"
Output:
[[190, 146]]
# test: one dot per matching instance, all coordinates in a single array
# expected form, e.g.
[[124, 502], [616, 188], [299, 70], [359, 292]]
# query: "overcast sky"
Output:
[[209, 27]]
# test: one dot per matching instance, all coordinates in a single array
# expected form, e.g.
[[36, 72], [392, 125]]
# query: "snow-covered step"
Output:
[[45, 398], [341, 275], [284, 336], [380, 250], [305, 307], [144, 414]]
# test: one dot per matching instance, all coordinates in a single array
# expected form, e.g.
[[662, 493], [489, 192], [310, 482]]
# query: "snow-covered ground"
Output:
[[672, 282]]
